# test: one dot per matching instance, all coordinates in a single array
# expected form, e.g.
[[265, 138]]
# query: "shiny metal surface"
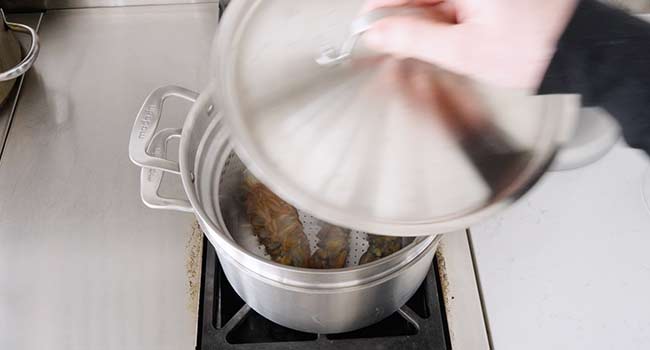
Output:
[[21, 67], [146, 123], [322, 301], [378, 144], [10, 55], [323, 310], [8, 107], [83, 263], [31, 5], [154, 162], [596, 132], [151, 179], [331, 55], [468, 329]]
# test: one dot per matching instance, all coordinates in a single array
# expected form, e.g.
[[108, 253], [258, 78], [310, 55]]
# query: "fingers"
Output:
[[433, 36], [421, 38], [373, 4]]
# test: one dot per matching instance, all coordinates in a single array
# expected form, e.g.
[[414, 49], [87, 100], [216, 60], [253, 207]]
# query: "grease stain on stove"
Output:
[[193, 249], [444, 285], [442, 271]]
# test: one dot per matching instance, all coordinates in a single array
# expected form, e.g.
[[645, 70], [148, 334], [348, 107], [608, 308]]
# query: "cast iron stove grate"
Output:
[[226, 322]]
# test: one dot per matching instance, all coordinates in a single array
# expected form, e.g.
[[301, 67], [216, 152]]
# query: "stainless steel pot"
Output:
[[274, 82], [322, 301], [11, 65]]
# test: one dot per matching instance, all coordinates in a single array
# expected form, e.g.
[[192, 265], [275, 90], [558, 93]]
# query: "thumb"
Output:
[[422, 38]]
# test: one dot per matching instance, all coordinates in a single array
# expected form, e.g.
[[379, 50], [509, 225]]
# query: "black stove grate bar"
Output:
[[227, 323]]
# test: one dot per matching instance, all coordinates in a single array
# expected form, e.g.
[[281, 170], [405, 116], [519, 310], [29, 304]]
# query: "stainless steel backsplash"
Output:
[[37, 5]]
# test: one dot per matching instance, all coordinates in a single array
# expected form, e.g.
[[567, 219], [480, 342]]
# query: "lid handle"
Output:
[[331, 56]]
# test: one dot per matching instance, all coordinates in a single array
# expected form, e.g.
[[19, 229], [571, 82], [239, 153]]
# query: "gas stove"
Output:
[[444, 313], [85, 265], [118, 274]]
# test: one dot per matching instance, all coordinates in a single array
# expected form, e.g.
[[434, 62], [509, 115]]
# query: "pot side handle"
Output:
[[151, 179], [148, 148], [145, 126]]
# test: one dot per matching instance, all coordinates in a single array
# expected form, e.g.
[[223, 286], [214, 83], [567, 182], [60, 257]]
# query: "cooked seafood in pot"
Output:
[[333, 248], [276, 224], [278, 228], [380, 247]]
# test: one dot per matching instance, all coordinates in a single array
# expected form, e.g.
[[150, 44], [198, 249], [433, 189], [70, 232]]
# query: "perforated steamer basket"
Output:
[[322, 301], [236, 223]]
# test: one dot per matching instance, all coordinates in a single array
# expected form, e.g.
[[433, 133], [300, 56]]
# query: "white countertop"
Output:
[[568, 267]]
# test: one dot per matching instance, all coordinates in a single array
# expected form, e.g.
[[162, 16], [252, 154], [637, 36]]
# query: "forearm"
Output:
[[604, 55]]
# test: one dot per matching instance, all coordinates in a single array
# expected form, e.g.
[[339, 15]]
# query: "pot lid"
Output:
[[376, 143]]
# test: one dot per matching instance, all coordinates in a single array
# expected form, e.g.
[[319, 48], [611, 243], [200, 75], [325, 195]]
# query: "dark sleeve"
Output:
[[604, 55]]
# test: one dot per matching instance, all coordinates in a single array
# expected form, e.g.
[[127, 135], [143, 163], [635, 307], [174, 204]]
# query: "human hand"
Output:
[[505, 42]]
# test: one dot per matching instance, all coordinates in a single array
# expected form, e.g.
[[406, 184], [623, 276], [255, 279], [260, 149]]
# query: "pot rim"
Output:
[[286, 275], [329, 288]]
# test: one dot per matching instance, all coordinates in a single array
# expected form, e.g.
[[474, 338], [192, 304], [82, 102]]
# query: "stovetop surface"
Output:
[[84, 264], [226, 322]]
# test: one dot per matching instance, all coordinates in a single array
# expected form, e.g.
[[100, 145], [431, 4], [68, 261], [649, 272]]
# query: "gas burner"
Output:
[[226, 322]]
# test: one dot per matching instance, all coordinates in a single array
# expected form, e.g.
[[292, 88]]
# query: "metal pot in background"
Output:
[[11, 65]]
